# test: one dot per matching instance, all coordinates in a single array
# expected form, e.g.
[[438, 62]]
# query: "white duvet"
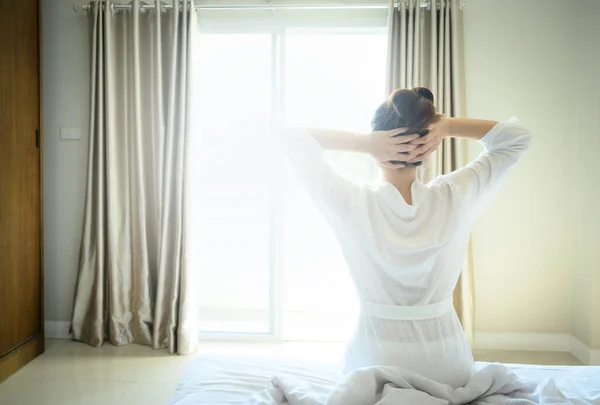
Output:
[[492, 384], [224, 380]]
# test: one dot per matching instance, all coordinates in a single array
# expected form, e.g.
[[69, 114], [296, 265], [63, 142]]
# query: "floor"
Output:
[[71, 373]]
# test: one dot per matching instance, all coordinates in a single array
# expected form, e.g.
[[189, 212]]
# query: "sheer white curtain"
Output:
[[333, 80], [230, 188], [265, 259]]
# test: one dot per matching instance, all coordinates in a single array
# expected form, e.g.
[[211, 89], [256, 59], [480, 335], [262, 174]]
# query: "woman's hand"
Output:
[[426, 145], [391, 148]]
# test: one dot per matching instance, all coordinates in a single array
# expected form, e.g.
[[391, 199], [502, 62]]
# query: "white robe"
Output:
[[405, 261]]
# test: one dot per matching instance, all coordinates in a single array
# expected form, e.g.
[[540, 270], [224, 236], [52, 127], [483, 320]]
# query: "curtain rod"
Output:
[[165, 6]]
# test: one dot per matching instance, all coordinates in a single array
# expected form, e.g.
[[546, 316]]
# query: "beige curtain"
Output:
[[131, 286], [425, 49]]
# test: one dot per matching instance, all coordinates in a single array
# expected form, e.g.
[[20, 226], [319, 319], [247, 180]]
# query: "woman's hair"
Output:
[[412, 109]]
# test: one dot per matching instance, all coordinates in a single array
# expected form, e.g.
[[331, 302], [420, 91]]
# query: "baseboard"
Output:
[[545, 342], [57, 329], [595, 357], [583, 353]]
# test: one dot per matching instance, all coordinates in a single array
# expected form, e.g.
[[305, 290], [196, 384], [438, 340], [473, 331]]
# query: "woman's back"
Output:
[[406, 259], [405, 254]]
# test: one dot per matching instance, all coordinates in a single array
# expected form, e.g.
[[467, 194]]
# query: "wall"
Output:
[[586, 269], [533, 246], [65, 101]]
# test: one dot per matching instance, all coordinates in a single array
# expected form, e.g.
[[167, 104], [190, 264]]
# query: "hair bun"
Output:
[[414, 106], [424, 92]]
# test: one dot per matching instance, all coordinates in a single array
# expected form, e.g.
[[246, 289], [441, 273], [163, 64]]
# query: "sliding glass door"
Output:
[[265, 262]]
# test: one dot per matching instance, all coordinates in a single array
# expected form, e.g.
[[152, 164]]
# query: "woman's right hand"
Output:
[[390, 148], [426, 145]]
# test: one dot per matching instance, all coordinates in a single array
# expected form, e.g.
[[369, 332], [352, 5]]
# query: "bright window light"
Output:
[[254, 234], [331, 81]]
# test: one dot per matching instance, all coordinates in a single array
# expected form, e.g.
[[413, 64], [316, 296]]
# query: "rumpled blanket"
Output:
[[384, 385]]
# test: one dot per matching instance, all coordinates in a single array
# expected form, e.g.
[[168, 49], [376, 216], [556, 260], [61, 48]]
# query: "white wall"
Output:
[[534, 257], [586, 266], [65, 59], [525, 58]]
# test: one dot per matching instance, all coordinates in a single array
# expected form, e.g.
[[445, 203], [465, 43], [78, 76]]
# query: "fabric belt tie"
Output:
[[407, 313]]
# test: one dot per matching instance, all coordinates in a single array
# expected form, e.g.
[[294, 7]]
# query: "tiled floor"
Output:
[[72, 373]]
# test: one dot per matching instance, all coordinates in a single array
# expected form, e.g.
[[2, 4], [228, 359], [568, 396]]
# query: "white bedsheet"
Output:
[[220, 380]]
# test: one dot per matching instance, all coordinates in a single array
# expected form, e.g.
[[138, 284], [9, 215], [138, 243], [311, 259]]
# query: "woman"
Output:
[[405, 241]]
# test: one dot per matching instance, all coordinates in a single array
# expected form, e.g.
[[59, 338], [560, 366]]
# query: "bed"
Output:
[[219, 380]]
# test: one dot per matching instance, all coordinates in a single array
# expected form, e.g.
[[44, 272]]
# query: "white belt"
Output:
[[407, 313]]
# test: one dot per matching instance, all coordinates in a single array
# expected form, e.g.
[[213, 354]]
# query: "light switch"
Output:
[[70, 134]]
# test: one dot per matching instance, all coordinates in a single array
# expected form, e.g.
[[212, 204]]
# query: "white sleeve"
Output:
[[335, 196], [503, 146]]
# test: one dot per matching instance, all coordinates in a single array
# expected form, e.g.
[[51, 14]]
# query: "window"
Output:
[[230, 236], [266, 262]]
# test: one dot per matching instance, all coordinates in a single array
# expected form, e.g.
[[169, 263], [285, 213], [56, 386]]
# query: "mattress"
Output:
[[220, 380]]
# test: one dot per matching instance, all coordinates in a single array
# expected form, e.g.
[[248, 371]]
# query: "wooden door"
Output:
[[21, 319]]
